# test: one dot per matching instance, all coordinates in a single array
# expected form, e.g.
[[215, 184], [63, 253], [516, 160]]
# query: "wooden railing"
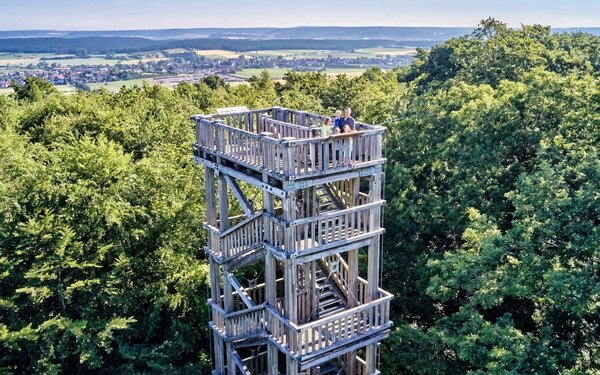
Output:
[[242, 237], [243, 146], [281, 129], [324, 230], [246, 323], [340, 278], [218, 318], [256, 293], [247, 120], [345, 325], [300, 152], [318, 155], [311, 337], [307, 235], [306, 119]]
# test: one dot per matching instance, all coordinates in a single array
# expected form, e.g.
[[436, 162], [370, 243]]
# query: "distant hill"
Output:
[[95, 45], [438, 34], [305, 32], [234, 39]]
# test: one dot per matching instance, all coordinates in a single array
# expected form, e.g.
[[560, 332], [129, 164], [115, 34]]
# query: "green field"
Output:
[[23, 59], [66, 89], [116, 85], [277, 73], [308, 53], [176, 50], [387, 51]]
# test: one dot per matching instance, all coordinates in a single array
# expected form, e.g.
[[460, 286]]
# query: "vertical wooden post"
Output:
[[284, 115], [291, 366], [218, 353], [272, 359], [289, 159], [231, 367], [314, 292], [290, 274], [373, 262], [301, 118], [290, 264], [223, 207], [215, 282], [352, 201], [270, 268]]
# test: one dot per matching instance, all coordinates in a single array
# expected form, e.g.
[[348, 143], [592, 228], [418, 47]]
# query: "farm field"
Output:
[[176, 50], [217, 54], [278, 73], [24, 59], [116, 85], [66, 89], [311, 54], [387, 51]]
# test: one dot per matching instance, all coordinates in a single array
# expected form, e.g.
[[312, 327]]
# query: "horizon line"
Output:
[[293, 27]]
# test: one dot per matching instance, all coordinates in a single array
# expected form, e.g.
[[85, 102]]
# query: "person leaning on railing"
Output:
[[326, 131], [349, 126]]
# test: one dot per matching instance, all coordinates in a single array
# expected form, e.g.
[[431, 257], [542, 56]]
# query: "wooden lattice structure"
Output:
[[311, 216]]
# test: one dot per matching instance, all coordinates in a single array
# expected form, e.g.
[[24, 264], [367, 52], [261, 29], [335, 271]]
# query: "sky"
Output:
[[154, 14]]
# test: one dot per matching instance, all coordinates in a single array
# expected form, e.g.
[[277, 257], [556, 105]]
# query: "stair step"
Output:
[[329, 368], [321, 279], [330, 311], [326, 294], [330, 302]]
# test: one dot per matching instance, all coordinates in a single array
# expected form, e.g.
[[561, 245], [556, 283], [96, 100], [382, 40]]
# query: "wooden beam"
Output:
[[321, 251], [228, 294], [239, 194], [223, 204], [237, 174], [246, 259], [241, 292], [215, 282], [327, 178], [240, 364]]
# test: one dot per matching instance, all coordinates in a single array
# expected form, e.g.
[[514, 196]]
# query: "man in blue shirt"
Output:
[[348, 120]]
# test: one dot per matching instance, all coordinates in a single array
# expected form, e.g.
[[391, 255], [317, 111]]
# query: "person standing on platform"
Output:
[[348, 126], [338, 122], [348, 120]]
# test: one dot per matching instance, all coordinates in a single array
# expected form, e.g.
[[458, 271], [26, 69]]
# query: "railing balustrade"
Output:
[[286, 149], [310, 337]]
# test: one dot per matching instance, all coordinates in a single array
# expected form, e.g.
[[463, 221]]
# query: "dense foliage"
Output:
[[492, 223], [495, 205]]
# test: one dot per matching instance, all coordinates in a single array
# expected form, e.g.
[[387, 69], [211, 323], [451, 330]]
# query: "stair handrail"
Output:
[[240, 364], [240, 224]]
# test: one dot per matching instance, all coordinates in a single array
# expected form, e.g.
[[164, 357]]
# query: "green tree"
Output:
[[34, 89]]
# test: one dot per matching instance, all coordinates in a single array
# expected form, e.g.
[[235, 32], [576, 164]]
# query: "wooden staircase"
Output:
[[331, 300]]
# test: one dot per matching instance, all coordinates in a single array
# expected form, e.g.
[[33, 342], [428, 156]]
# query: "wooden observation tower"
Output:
[[294, 276]]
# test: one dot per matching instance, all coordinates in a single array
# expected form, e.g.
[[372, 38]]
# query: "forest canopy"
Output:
[[492, 239]]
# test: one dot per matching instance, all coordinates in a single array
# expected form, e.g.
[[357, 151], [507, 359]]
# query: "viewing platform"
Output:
[[304, 206], [287, 145]]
